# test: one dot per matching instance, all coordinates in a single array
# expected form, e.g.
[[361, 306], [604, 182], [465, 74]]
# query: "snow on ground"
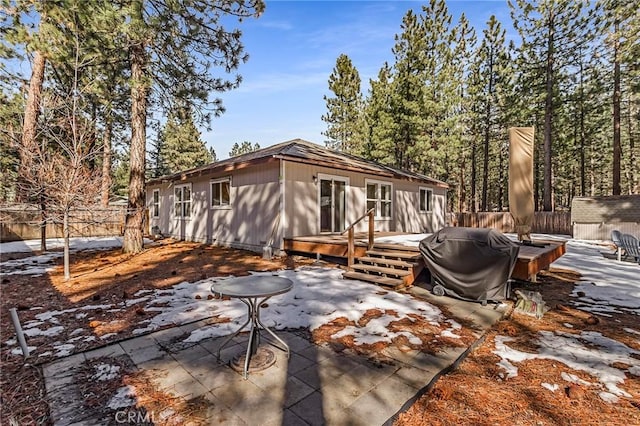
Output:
[[124, 397], [405, 240], [104, 372], [75, 243], [609, 286], [588, 351], [319, 296], [34, 265], [38, 265], [606, 286]]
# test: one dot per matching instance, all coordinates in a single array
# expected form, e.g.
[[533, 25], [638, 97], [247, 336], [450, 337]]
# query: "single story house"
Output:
[[295, 188]]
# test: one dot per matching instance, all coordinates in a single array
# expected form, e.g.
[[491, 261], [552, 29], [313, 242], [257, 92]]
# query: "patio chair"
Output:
[[615, 237], [631, 246]]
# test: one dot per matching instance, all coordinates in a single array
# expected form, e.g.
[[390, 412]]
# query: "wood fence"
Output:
[[543, 222], [24, 223]]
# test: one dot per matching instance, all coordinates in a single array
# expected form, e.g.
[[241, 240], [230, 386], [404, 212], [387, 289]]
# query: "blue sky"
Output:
[[293, 49]]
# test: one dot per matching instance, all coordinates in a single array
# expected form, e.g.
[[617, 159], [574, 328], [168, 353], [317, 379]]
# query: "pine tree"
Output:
[[620, 27], [180, 145], [243, 148], [407, 96], [343, 109], [440, 91], [213, 155], [11, 108], [550, 32], [378, 124], [175, 45], [456, 149], [491, 61]]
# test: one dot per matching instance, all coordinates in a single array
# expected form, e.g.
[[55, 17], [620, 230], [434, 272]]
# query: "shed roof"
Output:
[[301, 151]]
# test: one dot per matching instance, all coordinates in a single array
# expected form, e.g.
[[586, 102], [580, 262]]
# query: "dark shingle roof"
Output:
[[298, 150]]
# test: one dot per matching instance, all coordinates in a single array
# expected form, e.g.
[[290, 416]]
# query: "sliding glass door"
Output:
[[333, 204]]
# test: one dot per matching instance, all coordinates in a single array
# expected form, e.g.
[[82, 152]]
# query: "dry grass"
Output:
[[474, 394]]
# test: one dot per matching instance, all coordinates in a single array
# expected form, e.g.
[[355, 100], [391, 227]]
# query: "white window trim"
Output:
[[346, 180], [153, 203], [419, 199], [378, 200], [223, 206], [173, 206]]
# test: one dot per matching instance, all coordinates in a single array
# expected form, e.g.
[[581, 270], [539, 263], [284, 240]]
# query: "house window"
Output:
[[155, 203], [379, 197], [182, 201], [220, 190], [426, 200]]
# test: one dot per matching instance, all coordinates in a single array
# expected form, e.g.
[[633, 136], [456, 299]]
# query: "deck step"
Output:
[[394, 254], [384, 261], [398, 247], [375, 279], [380, 270]]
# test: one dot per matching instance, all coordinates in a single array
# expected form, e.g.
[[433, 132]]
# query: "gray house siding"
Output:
[[302, 210], [275, 193], [248, 222]]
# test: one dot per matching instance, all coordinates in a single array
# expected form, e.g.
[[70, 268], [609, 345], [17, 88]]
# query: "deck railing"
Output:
[[351, 243]]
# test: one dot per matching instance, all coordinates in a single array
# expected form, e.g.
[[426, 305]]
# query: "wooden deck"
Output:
[[332, 245], [531, 260]]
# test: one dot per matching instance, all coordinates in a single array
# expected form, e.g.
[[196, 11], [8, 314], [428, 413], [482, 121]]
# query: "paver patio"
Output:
[[316, 385]]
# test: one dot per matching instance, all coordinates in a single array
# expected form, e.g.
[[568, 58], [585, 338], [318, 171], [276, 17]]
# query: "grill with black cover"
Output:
[[470, 263]]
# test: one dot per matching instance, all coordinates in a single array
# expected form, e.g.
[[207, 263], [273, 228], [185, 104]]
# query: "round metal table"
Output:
[[253, 291]]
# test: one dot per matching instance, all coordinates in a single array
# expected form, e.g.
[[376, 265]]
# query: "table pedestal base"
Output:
[[261, 360]]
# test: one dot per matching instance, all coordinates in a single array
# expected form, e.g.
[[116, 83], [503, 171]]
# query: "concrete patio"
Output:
[[316, 385]]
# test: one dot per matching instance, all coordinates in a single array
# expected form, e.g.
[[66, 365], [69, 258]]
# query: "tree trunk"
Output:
[[583, 180], [43, 224], [106, 163], [487, 136], [133, 233], [474, 204], [65, 230], [617, 149], [501, 180], [633, 189], [547, 199], [462, 194], [29, 126]]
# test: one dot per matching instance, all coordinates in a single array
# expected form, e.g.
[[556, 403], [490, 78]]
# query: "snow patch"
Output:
[[608, 397], [18, 351], [49, 332], [108, 335], [552, 387], [124, 397], [319, 296], [589, 351], [105, 372], [572, 378], [63, 350]]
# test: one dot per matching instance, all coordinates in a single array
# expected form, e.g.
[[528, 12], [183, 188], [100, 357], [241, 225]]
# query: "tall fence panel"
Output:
[[543, 222], [24, 223]]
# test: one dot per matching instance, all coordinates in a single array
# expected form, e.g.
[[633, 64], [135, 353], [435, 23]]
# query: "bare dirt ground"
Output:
[[473, 394]]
